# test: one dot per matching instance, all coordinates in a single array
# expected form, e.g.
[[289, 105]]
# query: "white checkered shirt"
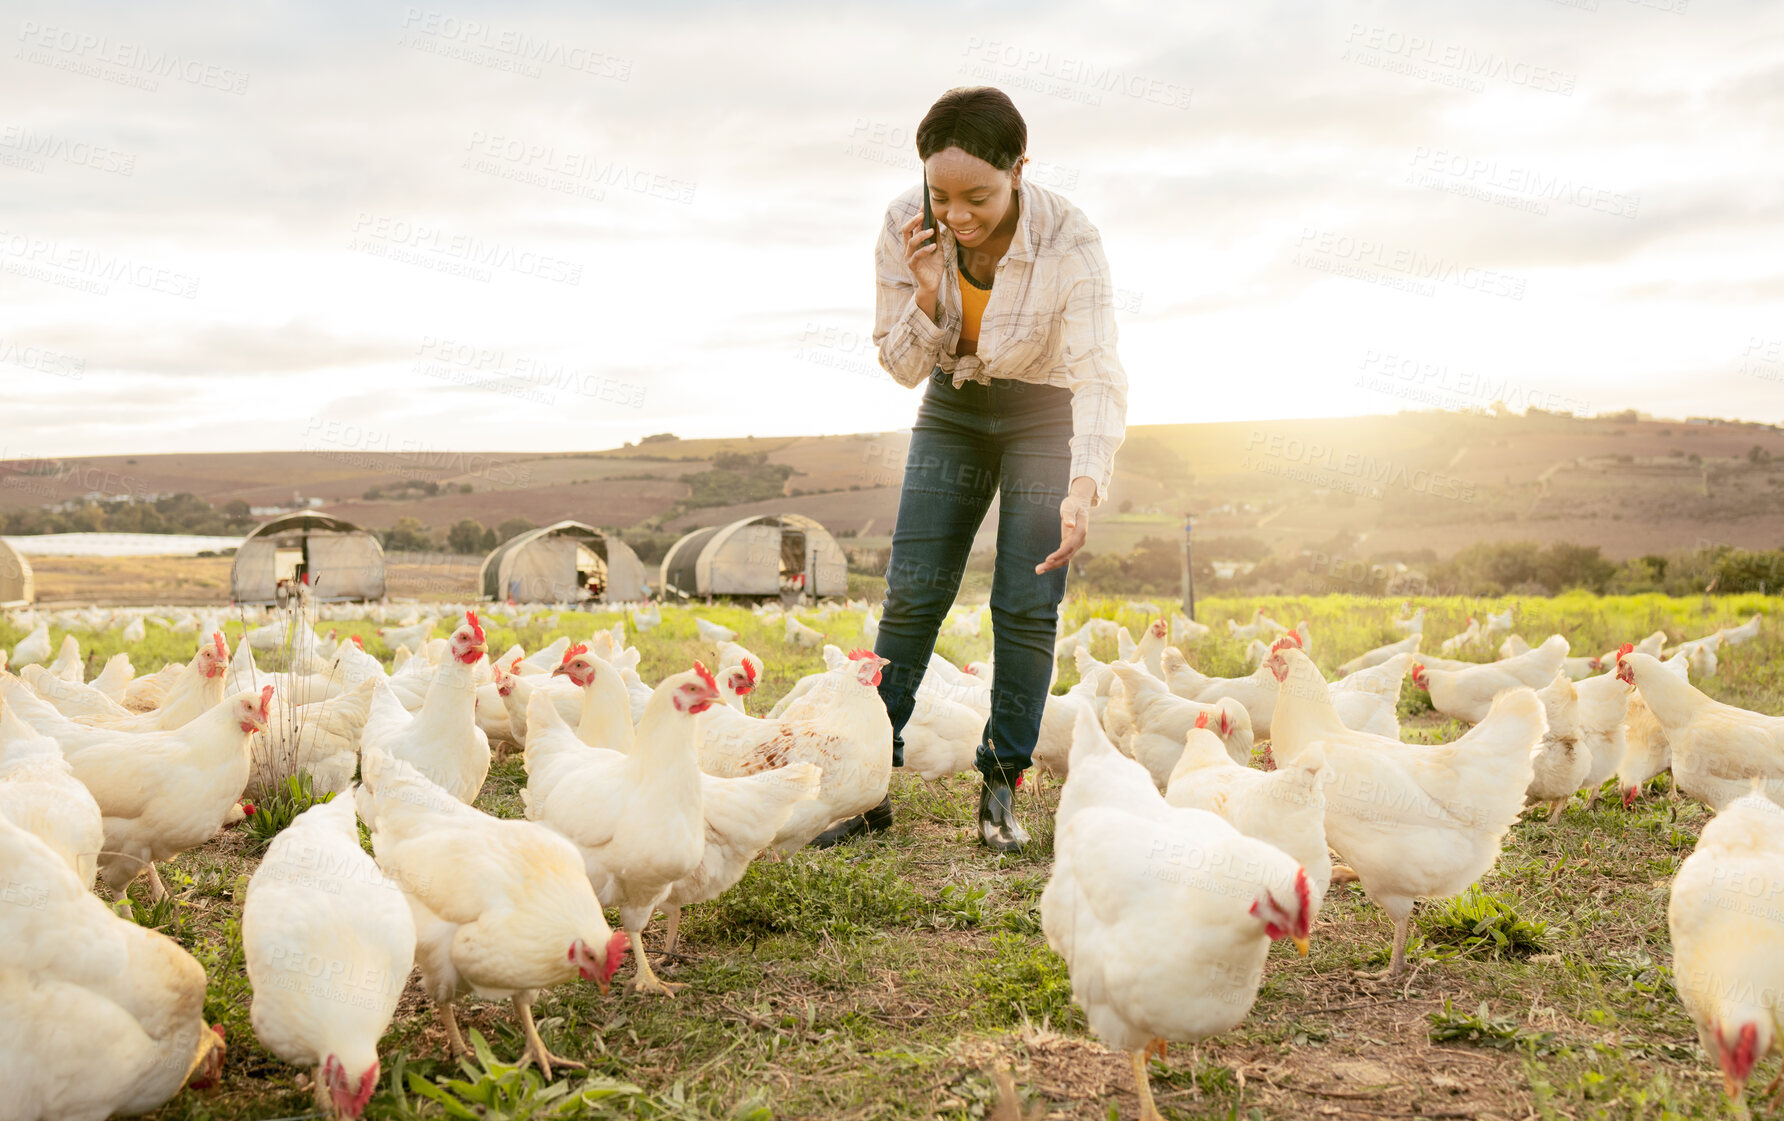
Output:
[[1050, 319]]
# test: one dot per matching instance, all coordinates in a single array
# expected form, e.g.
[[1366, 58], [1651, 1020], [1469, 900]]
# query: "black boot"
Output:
[[876, 820], [998, 828]]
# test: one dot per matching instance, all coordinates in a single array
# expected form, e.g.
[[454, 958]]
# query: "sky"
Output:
[[564, 226]]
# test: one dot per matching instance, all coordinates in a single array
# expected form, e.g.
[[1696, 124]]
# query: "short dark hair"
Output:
[[981, 121]]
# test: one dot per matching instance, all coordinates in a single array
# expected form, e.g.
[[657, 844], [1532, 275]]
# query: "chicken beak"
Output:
[[603, 984], [559, 671], [1731, 1087], [1301, 945]]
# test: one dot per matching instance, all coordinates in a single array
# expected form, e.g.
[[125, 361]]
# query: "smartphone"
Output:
[[928, 214]]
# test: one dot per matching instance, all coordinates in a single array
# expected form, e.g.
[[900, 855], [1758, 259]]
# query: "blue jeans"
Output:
[[1011, 439]]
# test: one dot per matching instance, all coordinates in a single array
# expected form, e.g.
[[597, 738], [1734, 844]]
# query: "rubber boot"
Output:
[[876, 820]]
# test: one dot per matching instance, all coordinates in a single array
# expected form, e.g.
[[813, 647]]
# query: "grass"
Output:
[[890, 977]]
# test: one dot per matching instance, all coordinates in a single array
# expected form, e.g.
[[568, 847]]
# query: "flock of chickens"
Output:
[[1178, 856]]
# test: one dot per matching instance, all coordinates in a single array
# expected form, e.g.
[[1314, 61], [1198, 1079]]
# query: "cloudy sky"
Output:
[[562, 226]]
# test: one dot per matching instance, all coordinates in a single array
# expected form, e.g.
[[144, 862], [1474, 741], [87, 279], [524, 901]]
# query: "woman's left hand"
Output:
[[1074, 524]]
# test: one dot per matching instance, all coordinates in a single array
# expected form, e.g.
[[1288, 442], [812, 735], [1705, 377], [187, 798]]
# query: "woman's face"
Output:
[[969, 196]]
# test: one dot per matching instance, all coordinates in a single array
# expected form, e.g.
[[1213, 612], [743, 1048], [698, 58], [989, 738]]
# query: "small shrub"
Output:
[[272, 815], [1483, 1028], [1480, 922]]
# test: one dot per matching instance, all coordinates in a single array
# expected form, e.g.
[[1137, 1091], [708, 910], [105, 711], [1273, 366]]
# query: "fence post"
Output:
[[1189, 578]]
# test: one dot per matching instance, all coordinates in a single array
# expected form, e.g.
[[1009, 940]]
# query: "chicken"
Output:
[[635, 819], [1467, 694], [1185, 629], [161, 793], [39, 794], [1728, 941], [1256, 692], [1375, 657], [103, 1017], [1059, 716], [742, 817], [713, 633], [801, 635], [1164, 916], [1560, 762], [317, 897], [442, 739], [1604, 707], [731, 654], [1415, 624], [195, 690], [1651, 645], [146, 693], [321, 740], [34, 647], [71, 699], [841, 726], [647, 617], [134, 631], [1415, 822], [68, 664], [1161, 719], [1255, 652], [1497, 625], [1469, 636], [1257, 628], [1646, 751], [115, 677], [966, 623], [1734, 636], [1717, 749], [1385, 679], [1150, 649], [1285, 807], [942, 737], [502, 908], [411, 637]]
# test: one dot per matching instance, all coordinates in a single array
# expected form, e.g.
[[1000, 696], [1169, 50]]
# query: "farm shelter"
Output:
[[17, 585], [559, 564], [340, 560], [763, 555]]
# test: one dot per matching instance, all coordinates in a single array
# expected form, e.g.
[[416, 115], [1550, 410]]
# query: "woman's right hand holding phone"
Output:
[[922, 256]]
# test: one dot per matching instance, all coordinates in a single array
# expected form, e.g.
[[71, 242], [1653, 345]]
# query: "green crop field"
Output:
[[895, 977]]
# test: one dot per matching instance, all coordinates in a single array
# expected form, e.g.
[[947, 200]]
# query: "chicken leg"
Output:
[[523, 1007], [1143, 1084], [453, 1039], [646, 979], [672, 937], [157, 890]]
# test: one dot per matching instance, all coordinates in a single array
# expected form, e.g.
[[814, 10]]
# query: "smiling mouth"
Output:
[[972, 231]]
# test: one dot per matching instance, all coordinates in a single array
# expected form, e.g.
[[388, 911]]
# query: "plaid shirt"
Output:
[[1051, 319]]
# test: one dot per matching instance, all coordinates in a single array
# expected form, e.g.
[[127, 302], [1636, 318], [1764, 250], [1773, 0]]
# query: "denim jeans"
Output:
[[1011, 439]]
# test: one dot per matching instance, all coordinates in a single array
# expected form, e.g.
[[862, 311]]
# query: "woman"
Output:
[[1007, 311]]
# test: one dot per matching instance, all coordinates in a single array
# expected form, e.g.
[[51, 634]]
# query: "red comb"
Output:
[[1626, 648], [1202, 719], [579, 648], [860, 652], [471, 618], [750, 669], [357, 641], [1226, 723], [222, 650], [266, 700], [706, 675]]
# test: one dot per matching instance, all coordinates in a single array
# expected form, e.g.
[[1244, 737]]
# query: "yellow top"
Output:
[[972, 306]]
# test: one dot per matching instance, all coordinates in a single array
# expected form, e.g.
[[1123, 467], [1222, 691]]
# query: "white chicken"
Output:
[[1727, 937], [1160, 720], [1185, 629], [1164, 916], [1414, 624], [941, 737], [1646, 751], [68, 664], [329, 943], [1285, 807], [1746, 632], [502, 908], [198, 687], [842, 727], [320, 740], [801, 635], [1468, 637], [713, 633], [1560, 762], [1371, 658], [1717, 749], [34, 647], [103, 1017], [39, 794], [1414, 822], [161, 792], [441, 739], [635, 819], [1467, 694], [1603, 710]]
